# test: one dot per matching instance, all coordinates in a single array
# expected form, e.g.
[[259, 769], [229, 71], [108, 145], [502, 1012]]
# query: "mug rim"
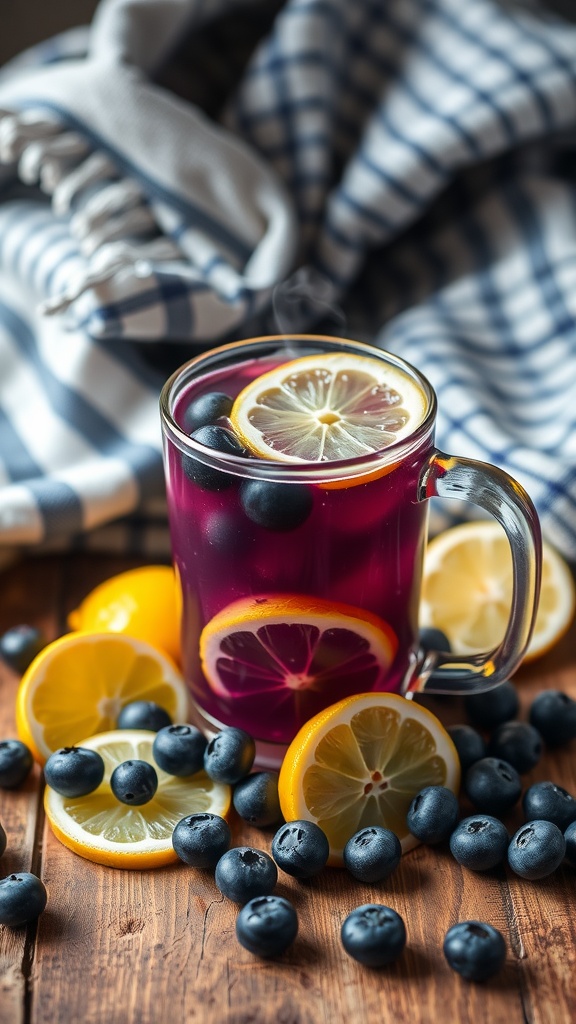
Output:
[[292, 472]]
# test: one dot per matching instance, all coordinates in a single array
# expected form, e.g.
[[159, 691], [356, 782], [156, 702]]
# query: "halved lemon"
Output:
[[467, 590], [326, 407], [101, 829], [292, 654], [78, 684], [361, 762], [143, 602]]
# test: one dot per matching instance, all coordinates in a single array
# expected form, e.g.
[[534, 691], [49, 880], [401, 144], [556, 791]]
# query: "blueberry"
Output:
[[74, 771], [469, 744], [22, 899], [372, 854], [433, 814], [243, 873], [518, 743], [432, 639], [143, 714], [549, 802], [373, 935], [492, 785], [474, 950], [2, 840], [267, 925], [208, 477], [489, 709], [553, 713], [569, 838], [300, 848], [276, 506], [205, 410], [256, 799], [229, 756], [134, 782], [201, 839], [20, 645], [479, 842], [179, 749], [15, 763], [536, 850], [227, 533]]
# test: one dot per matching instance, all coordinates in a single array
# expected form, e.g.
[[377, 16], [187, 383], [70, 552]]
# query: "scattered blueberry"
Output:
[[474, 950], [432, 639], [143, 714], [134, 782], [553, 713], [205, 410], [267, 925], [243, 873], [22, 899], [569, 838], [20, 645], [433, 814], [208, 477], [518, 743], [300, 848], [372, 854], [276, 506], [179, 749], [15, 763], [492, 785], [256, 799], [74, 771], [229, 755], [536, 850], [469, 744], [373, 934], [549, 802], [489, 709], [2, 840], [201, 839], [479, 842]]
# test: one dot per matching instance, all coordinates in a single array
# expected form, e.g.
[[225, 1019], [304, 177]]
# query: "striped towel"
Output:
[[184, 173]]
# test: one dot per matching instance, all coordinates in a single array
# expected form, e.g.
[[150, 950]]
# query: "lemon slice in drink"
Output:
[[79, 683], [467, 590], [361, 762], [289, 655], [101, 829], [326, 407]]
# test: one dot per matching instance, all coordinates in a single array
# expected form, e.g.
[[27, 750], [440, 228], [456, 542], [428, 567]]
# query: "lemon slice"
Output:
[[79, 683], [291, 655], [101, 829], [467, 590], [361, 762], [327, 407], [143, 602]]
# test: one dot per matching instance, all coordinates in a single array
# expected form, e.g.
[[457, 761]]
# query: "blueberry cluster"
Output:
[[274, 506], [494, 751]]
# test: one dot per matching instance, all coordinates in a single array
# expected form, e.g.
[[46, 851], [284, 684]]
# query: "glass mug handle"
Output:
[[447, 476]]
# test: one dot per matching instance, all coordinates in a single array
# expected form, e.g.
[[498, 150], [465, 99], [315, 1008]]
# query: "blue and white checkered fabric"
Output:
[[413, 160]]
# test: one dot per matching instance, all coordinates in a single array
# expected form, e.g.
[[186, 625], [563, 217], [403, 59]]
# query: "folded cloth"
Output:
[[187, 171]]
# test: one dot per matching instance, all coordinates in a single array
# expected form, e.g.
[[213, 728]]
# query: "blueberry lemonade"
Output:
[[292, 470]]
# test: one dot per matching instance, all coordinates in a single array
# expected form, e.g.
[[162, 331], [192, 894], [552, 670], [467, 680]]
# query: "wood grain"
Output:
[[159, 946]]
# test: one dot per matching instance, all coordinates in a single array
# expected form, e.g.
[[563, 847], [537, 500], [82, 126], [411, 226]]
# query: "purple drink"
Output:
[[299, 537]]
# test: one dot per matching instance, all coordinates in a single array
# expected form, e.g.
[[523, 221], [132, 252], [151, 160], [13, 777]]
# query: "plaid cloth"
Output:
[[186, 173]]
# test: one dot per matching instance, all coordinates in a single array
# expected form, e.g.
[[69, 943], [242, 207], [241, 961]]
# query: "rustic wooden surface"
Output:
[[123, 947]]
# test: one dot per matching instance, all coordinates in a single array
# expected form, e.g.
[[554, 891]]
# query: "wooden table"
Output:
[[137, 947]]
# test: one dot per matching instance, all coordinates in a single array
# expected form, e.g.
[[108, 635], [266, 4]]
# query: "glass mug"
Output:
[[301, 581]]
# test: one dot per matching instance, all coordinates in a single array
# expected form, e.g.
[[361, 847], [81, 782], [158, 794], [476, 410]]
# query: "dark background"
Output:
[[23, 22]]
